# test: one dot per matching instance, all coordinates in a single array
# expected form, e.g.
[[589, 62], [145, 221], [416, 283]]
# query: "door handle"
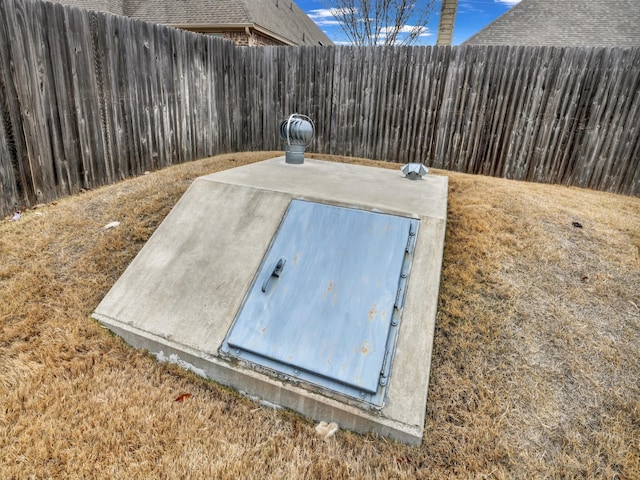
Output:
[[277, 271]]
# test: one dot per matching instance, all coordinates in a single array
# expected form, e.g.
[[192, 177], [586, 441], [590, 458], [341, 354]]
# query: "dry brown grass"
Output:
[[535, 364]]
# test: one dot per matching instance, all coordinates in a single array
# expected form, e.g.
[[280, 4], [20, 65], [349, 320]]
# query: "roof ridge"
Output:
[[498, 19]]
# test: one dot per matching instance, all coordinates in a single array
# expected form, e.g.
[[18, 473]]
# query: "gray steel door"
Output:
[[326, 297]]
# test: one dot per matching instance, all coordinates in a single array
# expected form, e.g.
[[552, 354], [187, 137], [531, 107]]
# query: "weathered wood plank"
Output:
[[86, 93], [26, 78], [8, 186], [18, 187], [65, 114]]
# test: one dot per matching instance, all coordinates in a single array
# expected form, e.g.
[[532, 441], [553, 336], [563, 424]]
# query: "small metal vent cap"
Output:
[[414, 171], [297, 132]]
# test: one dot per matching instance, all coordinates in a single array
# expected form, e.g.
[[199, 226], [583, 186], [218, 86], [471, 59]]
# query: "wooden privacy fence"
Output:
[[88, 99]]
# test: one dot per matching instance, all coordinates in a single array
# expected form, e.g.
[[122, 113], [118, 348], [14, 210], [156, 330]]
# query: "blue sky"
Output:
[[472, 15]]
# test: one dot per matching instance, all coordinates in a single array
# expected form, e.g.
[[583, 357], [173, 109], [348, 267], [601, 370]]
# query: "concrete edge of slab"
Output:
[[344, 184], [315, 406]]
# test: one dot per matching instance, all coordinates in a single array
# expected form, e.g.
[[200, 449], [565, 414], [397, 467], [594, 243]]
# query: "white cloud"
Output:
[[510, 3], [320, 13], [324, 16], [466, 7], [424, 31]]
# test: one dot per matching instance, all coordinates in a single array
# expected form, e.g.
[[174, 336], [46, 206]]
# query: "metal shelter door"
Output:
[[326, 296]]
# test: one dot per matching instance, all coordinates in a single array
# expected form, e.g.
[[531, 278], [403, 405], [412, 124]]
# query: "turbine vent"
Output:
[[297, 133]]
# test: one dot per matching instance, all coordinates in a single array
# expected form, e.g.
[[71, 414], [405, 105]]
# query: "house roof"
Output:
[[109, 6], [565, 23], [282, 19]]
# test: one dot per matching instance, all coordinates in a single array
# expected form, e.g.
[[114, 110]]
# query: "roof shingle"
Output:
[[565, 23]]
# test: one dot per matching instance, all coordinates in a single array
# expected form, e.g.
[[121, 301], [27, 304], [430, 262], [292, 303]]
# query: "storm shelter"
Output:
[[312, 287]]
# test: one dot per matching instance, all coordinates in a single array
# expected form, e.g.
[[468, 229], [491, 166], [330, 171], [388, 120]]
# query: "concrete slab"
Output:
[[181, 294]]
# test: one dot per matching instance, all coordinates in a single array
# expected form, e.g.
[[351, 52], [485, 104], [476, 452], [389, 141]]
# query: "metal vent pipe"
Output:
[[297, 132], [414, 171]]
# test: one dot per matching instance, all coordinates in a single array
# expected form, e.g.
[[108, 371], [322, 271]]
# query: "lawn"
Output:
[[535, 369]]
